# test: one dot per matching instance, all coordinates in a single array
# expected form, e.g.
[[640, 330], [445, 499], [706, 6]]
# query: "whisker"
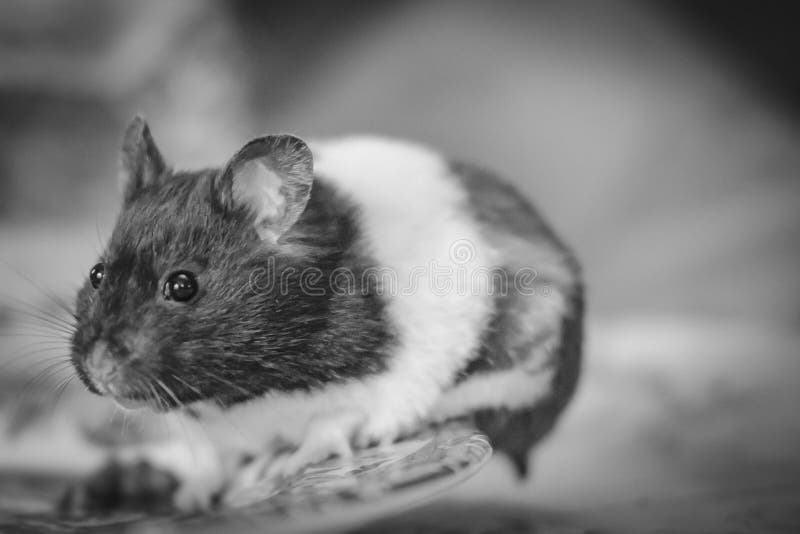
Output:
[[47, 372], [42, 314], [37, 331], [8, 364], [187, 384], [124, 424], [45, 341], [168, 391], [51, 296], [31, 320], [29, 386], [41, 330], [156, 396], [142, 387], [220, 403], [46, 334], [112, 419], [179, 404], [160, 406], [30, 309], [228, 383], [58, 390], [35, 347], [30, 367]]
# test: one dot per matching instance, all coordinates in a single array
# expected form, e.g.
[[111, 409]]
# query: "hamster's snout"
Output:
[[101, 367], [114, 368]]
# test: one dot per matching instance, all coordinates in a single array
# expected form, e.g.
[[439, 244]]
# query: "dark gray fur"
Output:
[[232, 341], [501, 209]]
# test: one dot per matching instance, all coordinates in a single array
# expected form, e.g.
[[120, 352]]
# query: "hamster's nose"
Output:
[[101, 366]]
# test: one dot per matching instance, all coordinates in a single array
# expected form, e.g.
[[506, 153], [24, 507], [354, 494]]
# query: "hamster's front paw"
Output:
[[121, 487], [387, 422], [327, 436], [380, 431]]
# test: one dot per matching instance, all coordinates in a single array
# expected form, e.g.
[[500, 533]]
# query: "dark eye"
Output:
[[96, 275], [180, 286]]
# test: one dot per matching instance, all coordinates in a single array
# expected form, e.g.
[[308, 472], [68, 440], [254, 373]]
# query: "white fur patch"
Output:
[[416, 222], [512, 388], [417, 225]]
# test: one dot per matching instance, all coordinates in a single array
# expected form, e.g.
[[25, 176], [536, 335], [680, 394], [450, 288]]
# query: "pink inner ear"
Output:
[[272, 177], [259, 187]]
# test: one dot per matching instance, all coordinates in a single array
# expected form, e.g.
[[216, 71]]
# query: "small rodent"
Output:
[[337, 295]]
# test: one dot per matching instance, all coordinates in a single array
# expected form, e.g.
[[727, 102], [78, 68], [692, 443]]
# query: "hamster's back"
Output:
[[507, 342]]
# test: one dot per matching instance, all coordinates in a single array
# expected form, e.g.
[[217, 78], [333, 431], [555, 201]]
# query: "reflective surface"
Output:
[[331, 495]]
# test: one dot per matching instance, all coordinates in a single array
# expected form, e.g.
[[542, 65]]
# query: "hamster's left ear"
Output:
[[271, 177], [140, 161]]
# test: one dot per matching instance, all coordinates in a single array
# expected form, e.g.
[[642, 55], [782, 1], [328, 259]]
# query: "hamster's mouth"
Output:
[[126, 402], [140, 402], [133, 400], [126, 397]]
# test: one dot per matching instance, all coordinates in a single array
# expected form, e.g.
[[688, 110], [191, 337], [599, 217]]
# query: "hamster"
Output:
[[335, 295]]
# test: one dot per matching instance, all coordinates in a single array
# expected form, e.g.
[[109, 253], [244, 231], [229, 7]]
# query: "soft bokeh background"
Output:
[[662, 143]]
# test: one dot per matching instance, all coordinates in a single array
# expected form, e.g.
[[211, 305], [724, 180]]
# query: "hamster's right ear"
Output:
[[270, 177], [140, 160]]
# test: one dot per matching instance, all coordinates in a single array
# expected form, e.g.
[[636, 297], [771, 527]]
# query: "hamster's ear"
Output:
[[271, 177], [141, 162]]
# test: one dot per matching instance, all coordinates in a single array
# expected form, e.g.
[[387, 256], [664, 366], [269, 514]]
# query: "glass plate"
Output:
[[333, 495]]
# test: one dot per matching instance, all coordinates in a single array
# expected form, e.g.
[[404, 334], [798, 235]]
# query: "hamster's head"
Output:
[[168, 314]]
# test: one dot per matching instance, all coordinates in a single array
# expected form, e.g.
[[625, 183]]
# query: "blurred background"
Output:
[[660, 139]]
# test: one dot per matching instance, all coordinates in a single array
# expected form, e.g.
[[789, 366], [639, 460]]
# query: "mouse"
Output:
[[327, 296]]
